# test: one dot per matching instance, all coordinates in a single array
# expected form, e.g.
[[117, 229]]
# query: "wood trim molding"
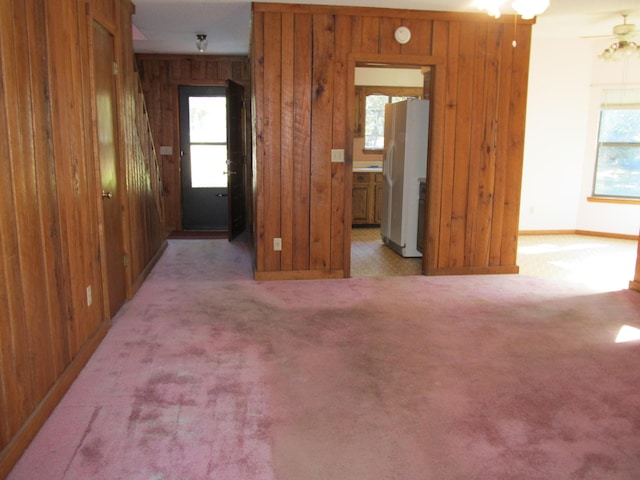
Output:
[[147, 269], [607, 235], [11, 454], [363, 59], [579, 232], [619, 201], [389, 12], [180, 56], [633, 285], [300, 275], [489, 270], [547, 232]]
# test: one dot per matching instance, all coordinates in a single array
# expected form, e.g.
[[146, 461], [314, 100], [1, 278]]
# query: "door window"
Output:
[[208, 141]]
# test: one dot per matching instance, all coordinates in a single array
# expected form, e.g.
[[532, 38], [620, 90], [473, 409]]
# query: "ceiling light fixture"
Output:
[[619, 50], [201, 42], [624, 46], [527, 9], [491, 6]]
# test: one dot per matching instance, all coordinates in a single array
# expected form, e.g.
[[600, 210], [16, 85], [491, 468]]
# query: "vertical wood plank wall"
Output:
[[161, 75], [635, 283], [49, 216], [301, 57], [145, 210]]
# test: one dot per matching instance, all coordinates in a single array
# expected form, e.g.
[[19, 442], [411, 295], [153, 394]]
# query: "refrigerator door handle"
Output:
[[387, 164]]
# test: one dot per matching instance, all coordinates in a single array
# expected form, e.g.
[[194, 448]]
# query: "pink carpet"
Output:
[[207, 374]]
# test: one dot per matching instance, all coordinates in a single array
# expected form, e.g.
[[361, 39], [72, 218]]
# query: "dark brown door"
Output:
[[236, 162], [105, 91]]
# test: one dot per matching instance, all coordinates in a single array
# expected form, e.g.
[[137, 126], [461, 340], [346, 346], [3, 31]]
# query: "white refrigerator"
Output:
[[406, 132]]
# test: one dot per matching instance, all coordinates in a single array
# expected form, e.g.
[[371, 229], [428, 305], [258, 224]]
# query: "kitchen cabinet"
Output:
[[366, 197]]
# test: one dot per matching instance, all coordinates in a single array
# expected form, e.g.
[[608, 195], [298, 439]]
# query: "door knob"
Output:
[[106, 194]]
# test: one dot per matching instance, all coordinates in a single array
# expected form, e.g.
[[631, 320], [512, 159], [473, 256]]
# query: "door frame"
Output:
[[184, 93], [362, 59], [248, 180], [121, 155], [237, 178]]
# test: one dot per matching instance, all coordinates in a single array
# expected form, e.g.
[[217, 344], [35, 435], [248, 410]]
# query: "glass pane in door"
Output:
[[208, 166], [208, 119]]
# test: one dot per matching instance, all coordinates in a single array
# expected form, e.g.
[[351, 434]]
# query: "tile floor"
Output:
[[371, 258], [605, 264]]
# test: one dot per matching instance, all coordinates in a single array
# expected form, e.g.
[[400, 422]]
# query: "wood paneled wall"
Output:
[[635, 283], [145, 210], [50, 224], [161, 75], [303, 59]]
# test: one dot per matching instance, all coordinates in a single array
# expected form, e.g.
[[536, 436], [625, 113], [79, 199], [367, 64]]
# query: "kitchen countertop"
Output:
[[367, 169]]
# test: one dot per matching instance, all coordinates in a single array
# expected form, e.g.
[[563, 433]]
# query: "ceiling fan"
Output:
[[624, 45]]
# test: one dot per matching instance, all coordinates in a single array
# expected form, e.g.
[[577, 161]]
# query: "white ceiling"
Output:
[[170, 26]]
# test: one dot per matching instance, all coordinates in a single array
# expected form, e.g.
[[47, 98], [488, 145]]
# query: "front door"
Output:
[[105, 91], [203, 150]]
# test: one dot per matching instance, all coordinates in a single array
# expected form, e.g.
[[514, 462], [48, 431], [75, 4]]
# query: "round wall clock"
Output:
[[403, 35]]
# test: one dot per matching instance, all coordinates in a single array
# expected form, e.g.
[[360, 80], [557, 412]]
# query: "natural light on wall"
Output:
[[628, 334], [527, 9]]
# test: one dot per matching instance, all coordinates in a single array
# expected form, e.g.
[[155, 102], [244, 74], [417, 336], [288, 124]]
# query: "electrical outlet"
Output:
[[89, 296], [277, 244]]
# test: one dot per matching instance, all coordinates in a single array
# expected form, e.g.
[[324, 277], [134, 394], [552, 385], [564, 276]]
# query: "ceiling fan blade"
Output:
[[598, 36]]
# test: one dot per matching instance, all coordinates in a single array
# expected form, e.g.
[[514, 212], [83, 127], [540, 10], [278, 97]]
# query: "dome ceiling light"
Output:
[[201, 42]]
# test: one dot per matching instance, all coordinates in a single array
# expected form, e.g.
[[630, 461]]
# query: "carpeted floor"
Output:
[[207, 374]]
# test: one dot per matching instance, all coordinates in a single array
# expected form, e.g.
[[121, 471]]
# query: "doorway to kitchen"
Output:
[[376, 85]]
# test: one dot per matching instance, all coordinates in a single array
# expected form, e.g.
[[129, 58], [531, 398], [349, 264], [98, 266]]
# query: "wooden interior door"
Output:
[[105, 98], [236, 162]]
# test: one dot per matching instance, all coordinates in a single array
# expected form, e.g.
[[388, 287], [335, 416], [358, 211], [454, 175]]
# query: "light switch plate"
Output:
[[337, 155], [166, 150]]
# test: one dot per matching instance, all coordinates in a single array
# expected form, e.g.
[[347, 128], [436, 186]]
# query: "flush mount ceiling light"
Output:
[[527, 9], [201, 42]]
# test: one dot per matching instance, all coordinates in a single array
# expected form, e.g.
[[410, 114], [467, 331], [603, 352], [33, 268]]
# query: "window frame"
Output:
[[362, 91], [599, 197]]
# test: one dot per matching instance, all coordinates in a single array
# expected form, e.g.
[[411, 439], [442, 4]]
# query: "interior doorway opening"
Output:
[[375, 85]]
